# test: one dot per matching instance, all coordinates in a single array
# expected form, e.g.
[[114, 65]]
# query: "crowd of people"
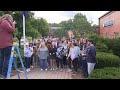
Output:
[[52, 53], [49, 53]]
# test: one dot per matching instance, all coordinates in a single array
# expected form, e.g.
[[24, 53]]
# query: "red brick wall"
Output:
[[111, 29]]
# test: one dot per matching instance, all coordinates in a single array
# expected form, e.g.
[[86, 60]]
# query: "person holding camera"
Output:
[[7, 27]]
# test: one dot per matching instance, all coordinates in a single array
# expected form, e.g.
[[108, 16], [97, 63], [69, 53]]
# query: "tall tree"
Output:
[[79, 25], [43, 27]]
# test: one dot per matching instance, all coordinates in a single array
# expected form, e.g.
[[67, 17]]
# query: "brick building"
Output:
[[109, 24]]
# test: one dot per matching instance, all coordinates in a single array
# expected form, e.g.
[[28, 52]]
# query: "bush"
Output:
[[101, 47], [108, 42], [105, 73], [116, 46], [96, 38], [107, 60]]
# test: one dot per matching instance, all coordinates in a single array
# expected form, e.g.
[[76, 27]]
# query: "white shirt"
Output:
[[27, 52], [73, 53], [31, 49]]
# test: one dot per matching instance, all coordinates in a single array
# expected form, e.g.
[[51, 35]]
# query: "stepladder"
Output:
[[15, 52]]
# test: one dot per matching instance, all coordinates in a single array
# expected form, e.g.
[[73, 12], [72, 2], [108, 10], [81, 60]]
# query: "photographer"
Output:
[[7, 27]]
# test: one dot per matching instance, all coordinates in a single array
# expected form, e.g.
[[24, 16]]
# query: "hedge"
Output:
[[116, 46], [101, 47], [105, 73], [96, 38], [107, 60]]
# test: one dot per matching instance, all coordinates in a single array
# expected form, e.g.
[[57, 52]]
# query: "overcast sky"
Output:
[[58, 16]]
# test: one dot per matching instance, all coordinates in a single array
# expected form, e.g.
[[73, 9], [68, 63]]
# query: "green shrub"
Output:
[[105, 73], [109, 43], [101, 47], [107, 60], [116, 47], [96, 38]]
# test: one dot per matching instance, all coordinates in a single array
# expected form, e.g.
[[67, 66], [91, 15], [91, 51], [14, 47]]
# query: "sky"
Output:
[[58, 16]]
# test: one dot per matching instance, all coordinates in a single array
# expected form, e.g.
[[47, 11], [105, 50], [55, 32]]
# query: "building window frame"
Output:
[[109, 23], [116, 34], [108, 35]]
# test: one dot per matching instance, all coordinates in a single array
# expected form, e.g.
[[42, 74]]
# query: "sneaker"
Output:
[[2, 77], [53, 69], [41, 69], [56, 68], [27, 70], [69, 70], [46, 69], [74, 73], [31, 66], [61, 69]]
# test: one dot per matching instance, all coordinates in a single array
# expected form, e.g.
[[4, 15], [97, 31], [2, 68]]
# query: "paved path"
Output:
[[35, 73]]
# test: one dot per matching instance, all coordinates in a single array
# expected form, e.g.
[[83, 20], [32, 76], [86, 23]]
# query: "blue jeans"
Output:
[[48, 60], [4, 60], [35, 59], [27, 60], [43, 63], [79, 62], [84, 68]]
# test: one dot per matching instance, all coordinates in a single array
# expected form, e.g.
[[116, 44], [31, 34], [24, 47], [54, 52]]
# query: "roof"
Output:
[[108, 13]]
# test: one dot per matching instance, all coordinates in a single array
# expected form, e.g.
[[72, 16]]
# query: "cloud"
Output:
[[58, 16], [51, 16]]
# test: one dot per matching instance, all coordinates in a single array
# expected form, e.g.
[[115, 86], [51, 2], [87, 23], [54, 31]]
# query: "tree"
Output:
[[33, 33], [79, 25], [67, 25], [40, 25], [59, 33], [43, 27], [54, 25]]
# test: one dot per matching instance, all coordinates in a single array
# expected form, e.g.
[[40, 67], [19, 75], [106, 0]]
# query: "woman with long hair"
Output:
[[43, 54], [52, 56]]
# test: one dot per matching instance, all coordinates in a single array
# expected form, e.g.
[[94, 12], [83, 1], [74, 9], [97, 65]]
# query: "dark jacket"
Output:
[[6, 33], [53, 51], [91, 54]]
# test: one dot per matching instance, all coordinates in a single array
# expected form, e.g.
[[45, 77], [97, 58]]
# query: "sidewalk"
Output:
[[35, 73]]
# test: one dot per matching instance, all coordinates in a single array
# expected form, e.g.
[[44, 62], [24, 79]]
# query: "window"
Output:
[[116, 34], [107, 35], [108, 23]]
